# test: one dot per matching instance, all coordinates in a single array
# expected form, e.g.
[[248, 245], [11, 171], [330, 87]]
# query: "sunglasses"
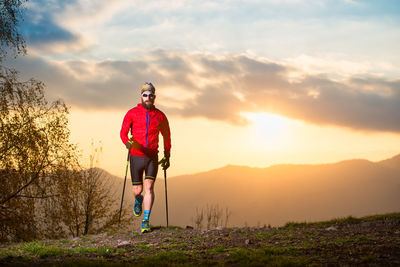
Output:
[[149, 95]]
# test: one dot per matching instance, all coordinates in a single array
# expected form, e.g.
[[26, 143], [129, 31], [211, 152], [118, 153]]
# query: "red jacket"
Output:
[[145, 126]]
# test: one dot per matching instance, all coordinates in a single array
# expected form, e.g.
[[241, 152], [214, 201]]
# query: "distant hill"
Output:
[[282, 193], [393, 162]]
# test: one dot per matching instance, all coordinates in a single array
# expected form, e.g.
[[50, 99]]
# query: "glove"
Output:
[[164, 162], [129, 145]]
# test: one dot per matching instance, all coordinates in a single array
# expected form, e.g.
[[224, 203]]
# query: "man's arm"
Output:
[[166, 133], [126, 125]]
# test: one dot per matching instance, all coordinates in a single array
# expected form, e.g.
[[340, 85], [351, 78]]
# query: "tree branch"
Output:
[[36, 176], [40, 197]]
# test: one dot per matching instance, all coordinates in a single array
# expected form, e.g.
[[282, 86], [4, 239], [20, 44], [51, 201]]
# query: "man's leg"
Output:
[[148, 204], [137, 190], [151, 174], [149, 195], [137, 169]]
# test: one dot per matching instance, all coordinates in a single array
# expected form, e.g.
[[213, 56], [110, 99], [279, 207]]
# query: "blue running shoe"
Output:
[[137, 208], [146, 226]]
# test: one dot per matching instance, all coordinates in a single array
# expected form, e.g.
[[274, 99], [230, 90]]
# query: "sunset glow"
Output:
[[269, 131], [294, 82]]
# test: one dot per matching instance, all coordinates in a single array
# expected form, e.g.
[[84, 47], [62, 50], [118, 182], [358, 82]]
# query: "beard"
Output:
[[148, 104]]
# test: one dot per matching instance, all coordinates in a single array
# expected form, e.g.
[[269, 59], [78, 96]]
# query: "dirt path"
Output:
[[366, 241]]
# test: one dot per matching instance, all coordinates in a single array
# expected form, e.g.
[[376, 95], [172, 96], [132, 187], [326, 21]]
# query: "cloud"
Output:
[[39, 25], [275, 29], [221, 88], [58, 26]]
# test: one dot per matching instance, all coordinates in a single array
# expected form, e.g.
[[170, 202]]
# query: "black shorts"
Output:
[[148, 165]]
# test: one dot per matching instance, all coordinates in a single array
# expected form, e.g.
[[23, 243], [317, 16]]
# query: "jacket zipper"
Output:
[[147, 125]]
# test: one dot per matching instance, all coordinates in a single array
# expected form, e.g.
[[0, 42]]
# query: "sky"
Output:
[[252, 83]]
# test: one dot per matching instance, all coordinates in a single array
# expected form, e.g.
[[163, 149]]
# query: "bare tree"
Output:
[[10, 37], [44, 192], [214, 216], [198, 219], [228, 214], [88, 199], [34, 143]]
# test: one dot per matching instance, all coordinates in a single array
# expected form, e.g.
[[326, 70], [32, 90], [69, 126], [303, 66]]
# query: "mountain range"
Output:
[[280, 193]]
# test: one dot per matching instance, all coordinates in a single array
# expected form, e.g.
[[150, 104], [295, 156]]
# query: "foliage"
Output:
[[41, 250], [34, 144], [10, 37], [45, 192], [87, 198], [341, 221]]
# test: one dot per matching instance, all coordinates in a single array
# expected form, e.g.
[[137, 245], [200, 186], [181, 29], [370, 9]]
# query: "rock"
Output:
[[123, 244], [219, 228], [247, 242], [331, 228]]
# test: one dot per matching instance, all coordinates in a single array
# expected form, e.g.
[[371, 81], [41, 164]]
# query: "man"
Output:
[[145, 122]]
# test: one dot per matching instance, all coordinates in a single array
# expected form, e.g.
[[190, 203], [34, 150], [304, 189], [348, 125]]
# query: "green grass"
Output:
[[284, 246], [145, 247], [265, 257], [104, 251], [7, 253], [111, 233], [175, 227], [217, 250], [165, 258], [198, 240], [78, 262], [358, 239], [84, 238], [41, 250], [183, 245], [341, 221], [292, 225], [170, 246], [266, 236], [159, 227]]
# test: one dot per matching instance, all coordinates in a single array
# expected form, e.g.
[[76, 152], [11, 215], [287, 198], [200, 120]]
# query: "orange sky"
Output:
[[242, 82], [200, 144]]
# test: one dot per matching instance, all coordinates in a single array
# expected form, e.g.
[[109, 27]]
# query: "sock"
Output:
[[146, 215]]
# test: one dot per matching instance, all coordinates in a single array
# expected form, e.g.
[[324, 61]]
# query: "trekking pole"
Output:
[[166, 197], [123, 189]]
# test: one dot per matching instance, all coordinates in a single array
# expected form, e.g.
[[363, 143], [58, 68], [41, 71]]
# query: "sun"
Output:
[[268, 129]]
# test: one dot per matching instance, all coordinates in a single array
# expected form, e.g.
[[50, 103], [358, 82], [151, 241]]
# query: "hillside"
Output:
[[281, 193], [350, 241], [393, 162]]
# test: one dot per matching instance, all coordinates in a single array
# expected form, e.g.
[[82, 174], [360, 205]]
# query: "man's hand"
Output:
[[164, 162], [129, 144]]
